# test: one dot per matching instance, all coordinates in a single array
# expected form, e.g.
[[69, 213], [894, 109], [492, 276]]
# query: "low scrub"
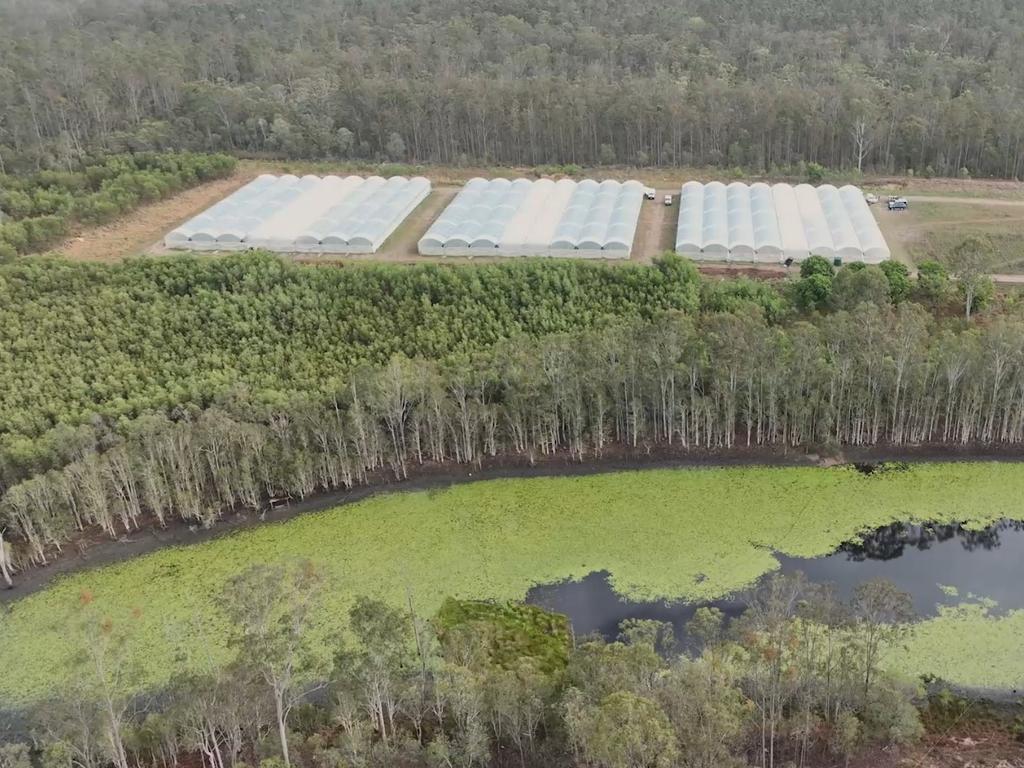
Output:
[[45, 206]]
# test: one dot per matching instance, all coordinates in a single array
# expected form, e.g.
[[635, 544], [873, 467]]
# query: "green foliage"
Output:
[[15, 756], [813, 292], [45, 205], [898, 276], [737, 295], [14, 234], [945, 710], [510, 632], [570, 170], [815, 173], [933, 284], [816, 265], [856, 284], [699, 535], [57, 754], [115, 340], [628, 731], [706, 626], [721, 84], [890, 717], [971, 261]]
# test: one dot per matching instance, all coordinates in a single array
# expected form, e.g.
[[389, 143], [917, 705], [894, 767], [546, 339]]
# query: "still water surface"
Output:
[[919, 560]]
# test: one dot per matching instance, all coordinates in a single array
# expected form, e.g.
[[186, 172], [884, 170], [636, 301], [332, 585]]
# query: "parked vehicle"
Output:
[[668, 199], [871, 198], [649, 193], [898, 204]]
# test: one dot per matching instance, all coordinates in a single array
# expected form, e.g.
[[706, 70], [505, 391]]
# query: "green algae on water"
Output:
[[692, 534]]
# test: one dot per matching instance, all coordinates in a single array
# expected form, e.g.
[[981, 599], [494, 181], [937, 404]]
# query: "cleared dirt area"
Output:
[[135, 233], [942, 211], [656, 229]]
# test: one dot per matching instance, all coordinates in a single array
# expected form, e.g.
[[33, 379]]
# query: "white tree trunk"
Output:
[[4, 565]]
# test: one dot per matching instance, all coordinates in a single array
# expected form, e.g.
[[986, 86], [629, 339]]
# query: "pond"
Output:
[[689, 533], [936, 564]]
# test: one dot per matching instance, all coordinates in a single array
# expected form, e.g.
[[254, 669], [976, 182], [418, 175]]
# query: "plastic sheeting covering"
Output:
[[499, 217], [758, 223], [308, 215]]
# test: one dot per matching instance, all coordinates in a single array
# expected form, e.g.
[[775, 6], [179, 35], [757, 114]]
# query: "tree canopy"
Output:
[[796, 86]]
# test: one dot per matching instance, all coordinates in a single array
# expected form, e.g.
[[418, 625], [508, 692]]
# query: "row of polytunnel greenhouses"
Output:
[[762, 223], [312, 214], [524, 217], [521, 217]]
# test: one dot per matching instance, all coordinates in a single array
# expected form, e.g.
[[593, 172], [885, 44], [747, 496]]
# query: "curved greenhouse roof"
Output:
[[308, 215], [500, 217], [758, 223]]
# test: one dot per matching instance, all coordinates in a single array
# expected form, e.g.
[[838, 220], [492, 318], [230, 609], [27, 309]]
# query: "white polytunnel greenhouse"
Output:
[[499, 217], [761, 223], [311, 214]]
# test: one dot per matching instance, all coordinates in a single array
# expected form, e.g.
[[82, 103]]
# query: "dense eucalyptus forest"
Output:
[[187, 387], [921, 85], [181, 390]]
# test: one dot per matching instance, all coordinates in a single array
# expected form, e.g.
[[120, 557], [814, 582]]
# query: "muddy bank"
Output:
[[94, 550]]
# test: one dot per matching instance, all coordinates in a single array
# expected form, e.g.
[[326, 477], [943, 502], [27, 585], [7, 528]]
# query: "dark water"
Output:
[[917, 559]]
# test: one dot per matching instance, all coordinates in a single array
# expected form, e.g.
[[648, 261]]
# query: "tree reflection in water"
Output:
[[922, 560], [892, 541]]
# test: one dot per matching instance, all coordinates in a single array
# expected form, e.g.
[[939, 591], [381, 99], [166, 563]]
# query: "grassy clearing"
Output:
[[938, 228], [694, 534], [1008, 241]]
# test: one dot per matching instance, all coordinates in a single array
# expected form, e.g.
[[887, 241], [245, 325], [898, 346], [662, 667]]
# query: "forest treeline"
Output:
[[763, 85], [37, 210], [863, 372], [796, 680], [110, 340]]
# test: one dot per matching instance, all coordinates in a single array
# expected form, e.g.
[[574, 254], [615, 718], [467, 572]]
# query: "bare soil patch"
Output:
[[135, 232], [142, 230], [969, 747], [656, 228], [402, 245]]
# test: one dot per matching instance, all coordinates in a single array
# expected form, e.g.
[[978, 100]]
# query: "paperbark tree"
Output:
[[971, 261], [5, 561], [270, 610]]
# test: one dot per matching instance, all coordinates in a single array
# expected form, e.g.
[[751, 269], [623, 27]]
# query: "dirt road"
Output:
[[986, 201]]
